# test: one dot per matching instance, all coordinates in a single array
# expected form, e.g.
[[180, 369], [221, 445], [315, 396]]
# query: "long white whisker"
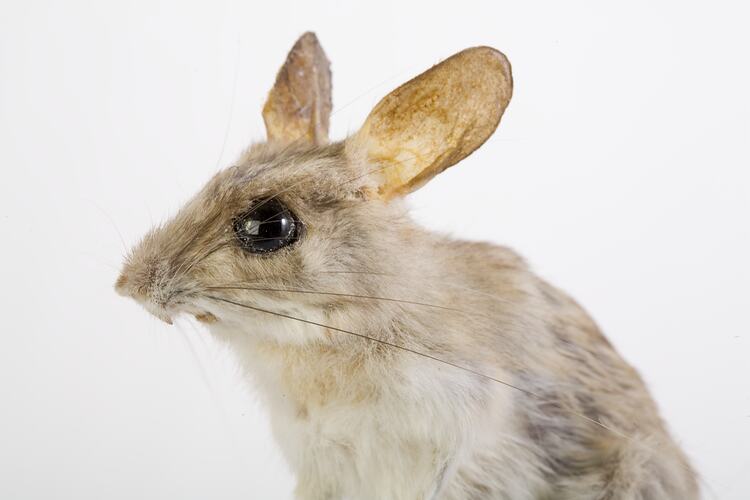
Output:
[[418, 353]]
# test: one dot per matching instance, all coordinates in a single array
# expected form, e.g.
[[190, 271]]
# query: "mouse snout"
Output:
[[149, 284], [121, 285], [139, 280]]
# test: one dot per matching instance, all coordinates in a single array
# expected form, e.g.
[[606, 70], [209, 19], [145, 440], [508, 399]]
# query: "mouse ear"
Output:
[[299, 104], [435, 120]]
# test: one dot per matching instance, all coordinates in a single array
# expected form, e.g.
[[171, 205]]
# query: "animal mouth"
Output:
[[167, 313], [165, 306], [157, 311], [164, 315]]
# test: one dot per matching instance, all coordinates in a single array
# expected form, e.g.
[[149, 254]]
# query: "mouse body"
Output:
[[397, 363]]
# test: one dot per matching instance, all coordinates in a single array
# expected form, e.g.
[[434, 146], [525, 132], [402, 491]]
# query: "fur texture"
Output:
[[360, 419]]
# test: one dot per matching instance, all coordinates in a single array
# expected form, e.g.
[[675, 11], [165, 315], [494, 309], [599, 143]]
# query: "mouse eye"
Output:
[[266, 226]]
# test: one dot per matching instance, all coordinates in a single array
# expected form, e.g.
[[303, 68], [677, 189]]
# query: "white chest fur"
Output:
[[352, 427]]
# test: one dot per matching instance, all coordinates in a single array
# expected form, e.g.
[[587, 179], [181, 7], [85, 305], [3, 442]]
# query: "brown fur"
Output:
[[577, 423]]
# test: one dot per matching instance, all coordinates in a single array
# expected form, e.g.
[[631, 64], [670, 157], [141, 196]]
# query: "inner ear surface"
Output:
[[435, 120], [298, 107]]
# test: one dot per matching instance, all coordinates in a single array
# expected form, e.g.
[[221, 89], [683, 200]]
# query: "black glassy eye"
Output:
[[266, 227]]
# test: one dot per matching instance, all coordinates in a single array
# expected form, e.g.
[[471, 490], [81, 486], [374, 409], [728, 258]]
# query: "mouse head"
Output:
[[296, 214]]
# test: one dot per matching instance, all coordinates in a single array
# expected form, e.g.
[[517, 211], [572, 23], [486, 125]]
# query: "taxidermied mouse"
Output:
[[398, 363]]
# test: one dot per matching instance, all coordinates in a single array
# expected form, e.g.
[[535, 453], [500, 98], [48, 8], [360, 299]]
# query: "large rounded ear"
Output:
[[435, 120], [299, 105]]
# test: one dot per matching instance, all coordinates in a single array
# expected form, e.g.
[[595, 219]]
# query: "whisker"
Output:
[[198, 233], [376, 273], [335, 294], [360, 96], [421, 354], [231, 103], [111, 221], [435, 279], [277, 220], [186, 266], [185, 269], [260, 286], [95, 258], [411, 69], [198, 362]]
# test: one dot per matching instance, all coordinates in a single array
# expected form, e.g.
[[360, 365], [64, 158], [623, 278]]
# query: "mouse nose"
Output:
[[121, 285], [134, 284], [126, 286], [148, 285]]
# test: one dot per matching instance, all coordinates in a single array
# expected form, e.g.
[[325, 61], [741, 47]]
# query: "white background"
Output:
[[620, 170]]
